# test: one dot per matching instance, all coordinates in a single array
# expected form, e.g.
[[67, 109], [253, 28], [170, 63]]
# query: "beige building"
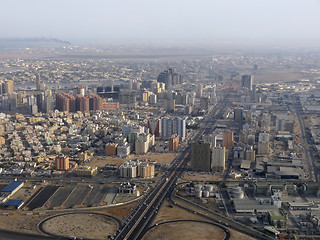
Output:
[[141, 147], [8, 87], [218, 161], [146, 170], [86, 171], [250, 155], [263, 148], [227, 139]]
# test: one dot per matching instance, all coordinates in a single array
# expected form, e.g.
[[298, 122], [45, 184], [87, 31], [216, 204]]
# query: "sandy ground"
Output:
[[164, 158], [81, 225], [20, 223], [171, 212], [195, 176], [185, 230], [121, 212], [276, 75], [16, 221]]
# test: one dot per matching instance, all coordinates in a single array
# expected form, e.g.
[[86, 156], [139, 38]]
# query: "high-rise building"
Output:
[[13, 101], [170, 78], [238, 115], [154, 126], [111, 149], [146, 170], [82, 103], [204, 103], [169, 105], [141, 146], [211, 73], [172, 126], [218, 159], [247, 81], [173, 143], [264, 137], [62, 163], [65, 102], [250, 155], [95, 102], [210, 139], [227, 139], [40, 102], [38, 82], [200, 156], [8, 87], [1, 86], [199, 91], [263, 148], [128, 99], [48, 101]]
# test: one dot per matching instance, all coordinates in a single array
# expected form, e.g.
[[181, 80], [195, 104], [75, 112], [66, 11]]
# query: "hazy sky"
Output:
[[164, 20]]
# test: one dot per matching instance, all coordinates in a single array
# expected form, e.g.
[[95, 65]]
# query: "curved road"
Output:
[[226, 231]]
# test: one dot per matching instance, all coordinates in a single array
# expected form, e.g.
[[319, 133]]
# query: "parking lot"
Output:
[[60, 196], [77, 196], [96, 195], [41, 197]]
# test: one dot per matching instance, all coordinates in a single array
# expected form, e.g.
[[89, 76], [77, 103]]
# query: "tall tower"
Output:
[[200, 156], [38, 82], [247, 81], [8, 87], [227, 139], [218, 159]]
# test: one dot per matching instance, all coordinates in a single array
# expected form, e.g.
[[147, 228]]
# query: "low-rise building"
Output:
[[85, 171]]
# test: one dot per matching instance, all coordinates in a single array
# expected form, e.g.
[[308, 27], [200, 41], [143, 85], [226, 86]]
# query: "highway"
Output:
[[216, 217], [305, 145], [141, 216]]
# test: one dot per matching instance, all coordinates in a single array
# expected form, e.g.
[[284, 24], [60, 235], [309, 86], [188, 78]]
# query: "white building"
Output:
[[124, 150]]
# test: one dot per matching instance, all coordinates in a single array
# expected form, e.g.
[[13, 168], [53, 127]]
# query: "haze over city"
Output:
[[292, 23], [146, 120]]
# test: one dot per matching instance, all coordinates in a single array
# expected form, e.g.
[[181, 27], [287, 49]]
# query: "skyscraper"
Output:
[[8, 87], [238, 115], [82, 103], [227, 139], [38, 82], [170, 78], [200, 156], [218, 159], [172, 126], [247, 81]]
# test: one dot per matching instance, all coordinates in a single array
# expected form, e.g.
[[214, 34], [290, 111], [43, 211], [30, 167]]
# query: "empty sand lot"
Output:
[[185, 230], [83, 225]]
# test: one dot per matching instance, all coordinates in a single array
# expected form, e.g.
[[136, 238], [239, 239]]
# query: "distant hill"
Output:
[[15, 43]]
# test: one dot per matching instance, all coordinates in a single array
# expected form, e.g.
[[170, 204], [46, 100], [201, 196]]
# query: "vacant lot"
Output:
[[83, 225], [185, 230], [164, 158]]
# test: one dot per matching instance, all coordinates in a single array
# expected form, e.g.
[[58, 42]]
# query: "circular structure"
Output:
[[81, 224], [238, 193], [209, 187], [186, 229], [206, 194], [198, 194], [198, 187]]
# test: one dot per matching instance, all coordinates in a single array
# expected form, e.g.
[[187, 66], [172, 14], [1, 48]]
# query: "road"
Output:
[[216, 217], [310, 164], [142, 215]]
